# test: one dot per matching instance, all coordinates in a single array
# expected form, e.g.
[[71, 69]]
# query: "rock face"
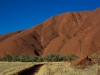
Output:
[[83, 62], [69, 33]]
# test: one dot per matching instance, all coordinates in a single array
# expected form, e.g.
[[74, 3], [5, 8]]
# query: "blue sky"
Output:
[[22, 14]]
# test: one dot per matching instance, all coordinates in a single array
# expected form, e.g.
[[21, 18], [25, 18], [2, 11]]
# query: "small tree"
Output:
[[62, 58], [71, 57], [33, 58], [15, 58], [24, 58], [7, 57], [52, 57], [40, 59]]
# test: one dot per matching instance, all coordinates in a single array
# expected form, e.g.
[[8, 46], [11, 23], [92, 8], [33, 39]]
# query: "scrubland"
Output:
[[52, 65]]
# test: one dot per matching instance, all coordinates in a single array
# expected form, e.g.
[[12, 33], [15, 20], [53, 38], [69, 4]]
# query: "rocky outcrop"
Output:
[[83, 62], [69, 33]]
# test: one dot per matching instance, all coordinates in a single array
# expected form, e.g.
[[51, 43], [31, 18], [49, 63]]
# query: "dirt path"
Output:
[[31, 71]]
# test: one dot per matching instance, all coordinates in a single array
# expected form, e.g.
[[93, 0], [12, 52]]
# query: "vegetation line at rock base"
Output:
[[47, 58]]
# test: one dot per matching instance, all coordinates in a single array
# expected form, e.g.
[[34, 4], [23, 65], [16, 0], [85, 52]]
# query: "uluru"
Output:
[[75, 33]]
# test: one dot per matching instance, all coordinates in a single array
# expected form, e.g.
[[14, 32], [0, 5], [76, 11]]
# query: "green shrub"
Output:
[[15, 58], [40, 59], [51, 57], [33, 58], [24, 58], [71, 57], [7, 57]]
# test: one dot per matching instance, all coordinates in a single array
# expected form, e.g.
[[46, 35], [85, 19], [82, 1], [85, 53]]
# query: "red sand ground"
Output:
[[69, 33]]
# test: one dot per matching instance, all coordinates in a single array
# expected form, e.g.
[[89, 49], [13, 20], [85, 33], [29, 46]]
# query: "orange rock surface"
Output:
[[68, 33]]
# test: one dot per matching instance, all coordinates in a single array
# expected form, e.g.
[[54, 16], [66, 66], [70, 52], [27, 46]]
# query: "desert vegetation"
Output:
[[13, 65], [53, 64], [47, 58]]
